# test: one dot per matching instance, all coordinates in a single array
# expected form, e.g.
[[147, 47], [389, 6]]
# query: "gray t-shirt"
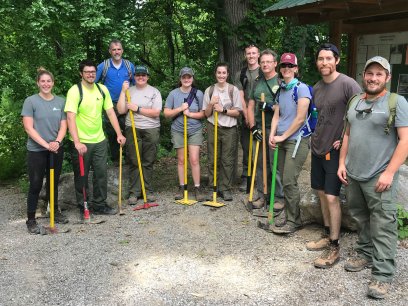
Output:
[[47, 116], [288, 108], [369, 148], [251, 77], [175, 99], [331, 101]]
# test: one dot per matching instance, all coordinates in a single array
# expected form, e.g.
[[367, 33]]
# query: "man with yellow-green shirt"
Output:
[[84, 116]]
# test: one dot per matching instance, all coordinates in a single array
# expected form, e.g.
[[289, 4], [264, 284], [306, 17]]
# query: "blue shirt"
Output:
[[115, 78]]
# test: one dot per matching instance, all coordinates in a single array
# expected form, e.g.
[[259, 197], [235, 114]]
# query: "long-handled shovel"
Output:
[[272, 198], [120, 182], [248, 189], [214, 202], [52, 229], [185, 200], [145, 205], [248, 203]]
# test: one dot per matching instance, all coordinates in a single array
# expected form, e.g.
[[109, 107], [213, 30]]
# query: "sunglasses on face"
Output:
[[366, 110], [140, 75], [287, 65]]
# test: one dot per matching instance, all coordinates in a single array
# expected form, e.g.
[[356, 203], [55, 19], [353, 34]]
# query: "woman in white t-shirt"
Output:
[[146, 104], [223, 98]]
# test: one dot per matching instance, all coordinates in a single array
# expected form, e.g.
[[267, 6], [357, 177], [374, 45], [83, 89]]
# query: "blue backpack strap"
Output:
[[129, 69]]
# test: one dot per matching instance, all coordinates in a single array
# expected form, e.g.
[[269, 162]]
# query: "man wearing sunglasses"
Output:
[[330, 95], [370, 157]]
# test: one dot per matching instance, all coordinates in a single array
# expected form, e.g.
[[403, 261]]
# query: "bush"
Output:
[[402, 217]]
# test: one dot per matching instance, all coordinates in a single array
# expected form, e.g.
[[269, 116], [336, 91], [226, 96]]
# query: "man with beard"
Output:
[[112, 73], [268, 85], [330, 95], [84, 105], [373, 149], [244, 81]]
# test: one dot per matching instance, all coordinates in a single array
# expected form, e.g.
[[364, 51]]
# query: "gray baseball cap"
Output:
[[186, 70], [379, 60]]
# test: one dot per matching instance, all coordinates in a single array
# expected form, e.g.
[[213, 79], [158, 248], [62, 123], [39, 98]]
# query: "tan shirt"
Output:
[[225, 100]]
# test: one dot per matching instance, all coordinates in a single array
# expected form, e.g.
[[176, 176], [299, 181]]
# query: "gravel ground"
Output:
[[174, 255]]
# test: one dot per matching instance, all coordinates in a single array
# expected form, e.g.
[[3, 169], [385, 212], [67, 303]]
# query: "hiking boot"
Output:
[[328, 258], [60, 218], [33, 227], [105, 210], [132, 200], [226, 195], [198, 192], [180, 193], [243, 185], [377, 289], [283, 230], [318, 245], [278, 206], [357, 263], [258, 203]]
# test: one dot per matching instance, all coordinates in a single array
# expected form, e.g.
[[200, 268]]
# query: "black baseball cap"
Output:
[[328, 47]]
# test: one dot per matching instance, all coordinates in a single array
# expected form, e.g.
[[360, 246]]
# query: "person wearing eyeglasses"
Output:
[[287, 122], [112, 72], [146, 104], [370, 157], [84, 105], [330, 96], [268, 85], [244, 81]]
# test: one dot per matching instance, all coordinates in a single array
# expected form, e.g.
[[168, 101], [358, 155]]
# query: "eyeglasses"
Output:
[[267, 62], [287, 65], [366, 110], [89, 72]]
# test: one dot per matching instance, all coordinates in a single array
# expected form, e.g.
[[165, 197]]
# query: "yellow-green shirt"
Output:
[[89, 114]]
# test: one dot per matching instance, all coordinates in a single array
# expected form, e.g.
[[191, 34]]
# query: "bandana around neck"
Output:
[[290, 85]]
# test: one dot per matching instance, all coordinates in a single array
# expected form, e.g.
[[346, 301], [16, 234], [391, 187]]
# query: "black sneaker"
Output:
[[105, 210], [60, 218], [33, 227]]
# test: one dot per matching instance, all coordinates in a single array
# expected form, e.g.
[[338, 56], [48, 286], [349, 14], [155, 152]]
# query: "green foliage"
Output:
[[402, 218]]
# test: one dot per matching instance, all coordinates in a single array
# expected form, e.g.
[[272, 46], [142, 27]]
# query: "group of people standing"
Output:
[[360, 155]]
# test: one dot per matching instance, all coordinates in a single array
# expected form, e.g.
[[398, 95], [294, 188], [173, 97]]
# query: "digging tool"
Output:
[[214, 202], [248, 189], [185, 200], [248, 203], [272, 198], [145, 205], [120, 182], [87, 216], [264, 157]]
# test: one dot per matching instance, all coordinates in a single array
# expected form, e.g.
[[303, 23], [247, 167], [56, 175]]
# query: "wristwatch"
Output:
[[224, 111]]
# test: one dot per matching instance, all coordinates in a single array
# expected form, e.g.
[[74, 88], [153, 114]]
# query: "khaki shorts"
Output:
[[177, 139]]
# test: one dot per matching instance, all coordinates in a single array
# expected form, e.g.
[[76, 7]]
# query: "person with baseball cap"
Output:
[[370, 157], [330, 95], [187, 100], [288, 119], [146, 104]]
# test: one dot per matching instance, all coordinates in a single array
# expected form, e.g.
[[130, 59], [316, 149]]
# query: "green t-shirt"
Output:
[[261, 87], [89, 114]]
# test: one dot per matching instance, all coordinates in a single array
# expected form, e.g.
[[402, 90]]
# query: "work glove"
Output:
[[256, 133], [266, 107]]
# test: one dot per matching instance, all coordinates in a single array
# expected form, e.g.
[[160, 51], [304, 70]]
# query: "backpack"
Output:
[[81, 93], [191, 96], [392, 108], [311, 120], [230, 92], [244, 79], [106, 65]]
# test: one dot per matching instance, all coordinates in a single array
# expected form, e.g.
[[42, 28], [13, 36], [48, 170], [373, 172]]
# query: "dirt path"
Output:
[[173, 255]]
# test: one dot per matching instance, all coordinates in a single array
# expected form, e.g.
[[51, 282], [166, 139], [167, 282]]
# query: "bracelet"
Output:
[[138, 110], [59, 143]]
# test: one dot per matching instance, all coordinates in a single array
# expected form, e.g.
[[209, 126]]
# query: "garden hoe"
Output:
[[145, 205], [52, 229], [185, 200], [120, 181], [270, 220], [214, 202], [87, 215], [248, 202]]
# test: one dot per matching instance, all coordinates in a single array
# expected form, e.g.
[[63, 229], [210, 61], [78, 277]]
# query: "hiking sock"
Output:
[[334, 242]]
